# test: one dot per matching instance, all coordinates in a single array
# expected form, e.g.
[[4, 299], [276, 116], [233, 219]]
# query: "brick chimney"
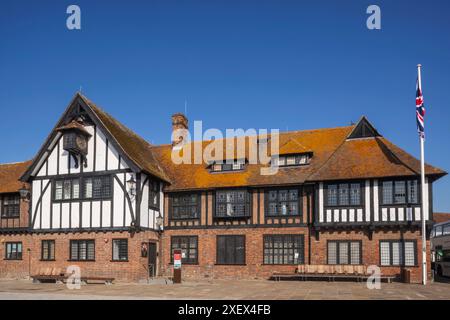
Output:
[[179, 129]]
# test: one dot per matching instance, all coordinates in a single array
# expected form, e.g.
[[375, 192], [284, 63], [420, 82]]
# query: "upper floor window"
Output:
[[67, 189], [13, 250], [283, 202], [441, 230], [399, 192], [97, 187], [236, 165], [343, 194], [153, 196], [185, 206], [293, 160], [10, 207], [232, 203]]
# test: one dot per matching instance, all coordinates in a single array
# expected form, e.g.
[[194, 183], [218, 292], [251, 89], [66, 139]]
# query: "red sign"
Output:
[[177, 259]]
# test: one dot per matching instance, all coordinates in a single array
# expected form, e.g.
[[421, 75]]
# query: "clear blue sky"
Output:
[[240, 64]]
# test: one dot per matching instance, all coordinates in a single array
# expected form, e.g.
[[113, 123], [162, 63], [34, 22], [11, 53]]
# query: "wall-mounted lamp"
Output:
[[131, 183], [159, 221], [24, 193]]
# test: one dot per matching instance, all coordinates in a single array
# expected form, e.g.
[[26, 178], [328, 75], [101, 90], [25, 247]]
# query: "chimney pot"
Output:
[[179, 129]]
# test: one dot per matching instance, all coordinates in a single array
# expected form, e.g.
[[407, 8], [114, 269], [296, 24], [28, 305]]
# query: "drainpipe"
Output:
[[29, 263]]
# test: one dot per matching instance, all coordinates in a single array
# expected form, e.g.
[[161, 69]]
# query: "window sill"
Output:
[[398, 266], [70, 260], [47, 260], [349, 206], [231, 264], [119, 260], [5, 218], [13, 259], [81, 200], [282, 264], [183, 219], [231, 217], [283, 216]]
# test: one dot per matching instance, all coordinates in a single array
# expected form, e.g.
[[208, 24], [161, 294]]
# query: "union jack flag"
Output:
[[420, 110]]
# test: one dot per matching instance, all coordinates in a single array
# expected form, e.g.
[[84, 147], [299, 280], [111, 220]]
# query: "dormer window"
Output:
[[293, 160], [236, 165]]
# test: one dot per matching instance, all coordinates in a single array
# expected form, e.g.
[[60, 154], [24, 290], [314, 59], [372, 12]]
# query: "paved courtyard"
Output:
[[224, 289]]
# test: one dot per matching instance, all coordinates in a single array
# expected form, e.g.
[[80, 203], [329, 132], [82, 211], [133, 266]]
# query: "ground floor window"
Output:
[[48, 250], [398, 252], [120, 250], [283, 249], [230, 249], [13, 250], [188, 246], [344, 252], [82, 250]]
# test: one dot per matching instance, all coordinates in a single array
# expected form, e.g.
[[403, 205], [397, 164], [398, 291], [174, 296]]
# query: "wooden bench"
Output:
[[105, 280], [56, 275], [329, 272], [49, 275]]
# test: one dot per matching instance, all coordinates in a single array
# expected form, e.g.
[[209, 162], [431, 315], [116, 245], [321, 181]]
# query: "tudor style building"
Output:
[[104, 199]]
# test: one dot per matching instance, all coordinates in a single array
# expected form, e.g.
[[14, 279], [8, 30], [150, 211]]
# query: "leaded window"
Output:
[[344, 252], [292, 160], [398, 253], [10, 206], [67, 189], [97, 187], [343, 194], [153, 198], [283, 249], [235, 165], [185, 206], [120, 250], [399, 192], [284, 202], [232, 203], [82, 250], [48, 250], [231, 249], [188, 246], [13, 250]]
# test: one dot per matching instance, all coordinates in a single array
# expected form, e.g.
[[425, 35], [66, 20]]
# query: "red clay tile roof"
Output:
[[334, 158], [136, 148], [323, 142], [10, 174], [439, 217], [370, 158]]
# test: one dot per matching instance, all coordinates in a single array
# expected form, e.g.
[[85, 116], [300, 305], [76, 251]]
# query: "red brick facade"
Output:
[[134, 269]]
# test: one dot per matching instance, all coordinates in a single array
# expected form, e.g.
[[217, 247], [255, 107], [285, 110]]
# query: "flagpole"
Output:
[[422, 178]]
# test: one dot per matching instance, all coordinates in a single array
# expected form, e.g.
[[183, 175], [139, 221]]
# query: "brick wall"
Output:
[[254, 267], [207, 267], [133, 270], [371, 248]]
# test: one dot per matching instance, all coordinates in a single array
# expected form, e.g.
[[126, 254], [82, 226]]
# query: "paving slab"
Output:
[[225, 289]]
